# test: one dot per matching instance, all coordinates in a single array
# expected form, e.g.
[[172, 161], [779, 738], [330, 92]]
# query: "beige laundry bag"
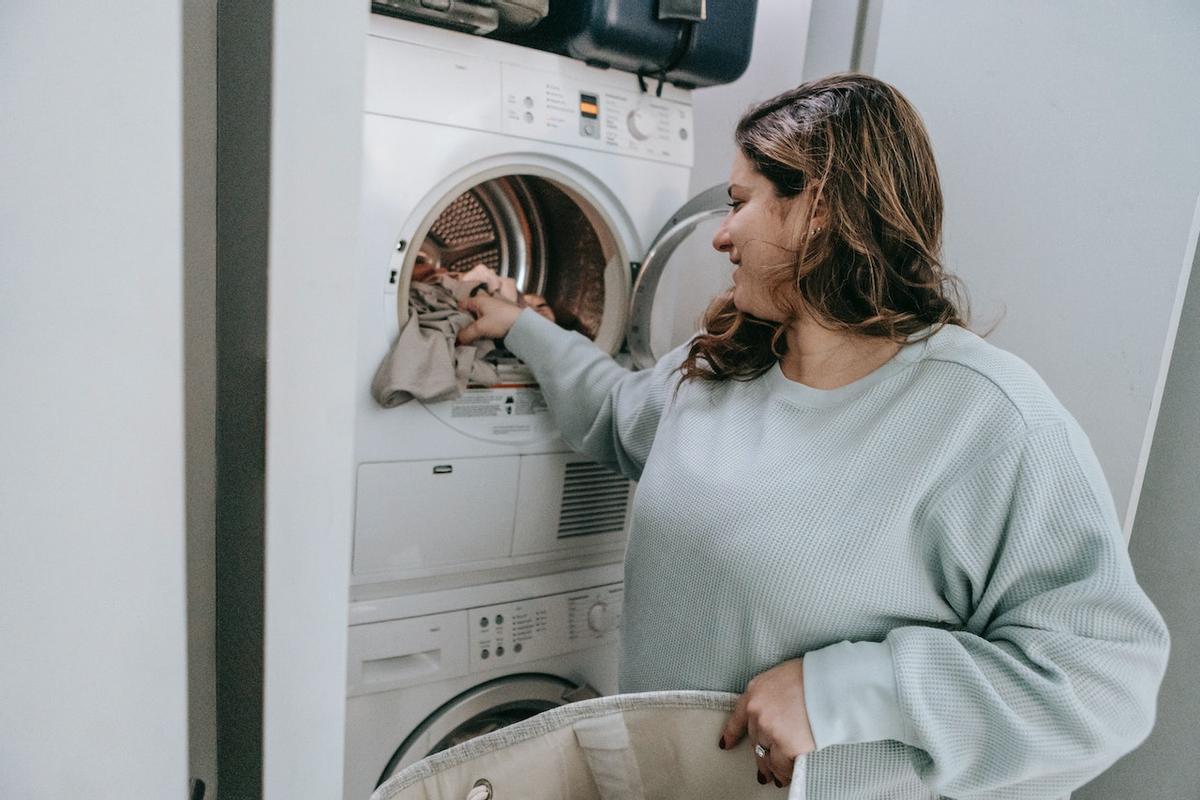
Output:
[[650, 746]]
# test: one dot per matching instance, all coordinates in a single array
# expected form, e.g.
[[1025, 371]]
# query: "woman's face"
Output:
[[761, 230]]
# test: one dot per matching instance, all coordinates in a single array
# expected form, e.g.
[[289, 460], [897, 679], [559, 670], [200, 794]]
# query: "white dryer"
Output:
[[486, 559], [558, 175]]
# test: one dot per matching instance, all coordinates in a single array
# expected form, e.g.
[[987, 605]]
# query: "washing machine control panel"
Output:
[[527, 630], [562, 109]]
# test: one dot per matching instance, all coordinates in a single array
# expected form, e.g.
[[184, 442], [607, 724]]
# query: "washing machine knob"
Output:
[[639, 125], [599, 619]]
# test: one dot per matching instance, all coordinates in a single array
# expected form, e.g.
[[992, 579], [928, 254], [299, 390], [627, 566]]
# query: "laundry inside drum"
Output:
[[546, 246]]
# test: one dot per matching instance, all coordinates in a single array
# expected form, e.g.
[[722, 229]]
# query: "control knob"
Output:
[[639, 124], [599, 618]]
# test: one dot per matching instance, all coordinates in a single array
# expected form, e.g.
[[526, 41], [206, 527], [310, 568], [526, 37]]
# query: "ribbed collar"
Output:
[[802, 394]]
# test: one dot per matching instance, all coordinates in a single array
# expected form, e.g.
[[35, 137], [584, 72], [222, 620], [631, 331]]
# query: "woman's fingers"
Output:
[[493, 318], [469, 334], [735, 726], [774, 765], [781, 766]]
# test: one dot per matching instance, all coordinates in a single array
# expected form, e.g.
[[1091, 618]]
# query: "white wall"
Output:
[[93, 674], [316, 158], [1066, 138], [776, 64], [1165, 549]]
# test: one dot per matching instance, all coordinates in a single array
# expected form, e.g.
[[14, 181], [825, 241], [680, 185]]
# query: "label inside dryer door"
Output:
[[503, 412]]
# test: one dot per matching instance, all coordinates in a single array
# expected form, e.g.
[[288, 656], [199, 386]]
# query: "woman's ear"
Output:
[[820, 213], [803, 217]]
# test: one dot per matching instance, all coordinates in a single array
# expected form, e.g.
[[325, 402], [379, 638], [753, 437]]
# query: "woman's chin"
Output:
[[738, 302], [758, 309]]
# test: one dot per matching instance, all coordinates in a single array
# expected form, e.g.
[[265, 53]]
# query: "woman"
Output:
[[884, 533]]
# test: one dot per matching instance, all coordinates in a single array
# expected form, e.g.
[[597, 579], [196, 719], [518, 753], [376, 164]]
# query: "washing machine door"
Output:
[[679, 276], [483, 709]]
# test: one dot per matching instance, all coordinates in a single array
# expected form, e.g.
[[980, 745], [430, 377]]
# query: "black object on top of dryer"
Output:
[[687, 42], [470, 16]]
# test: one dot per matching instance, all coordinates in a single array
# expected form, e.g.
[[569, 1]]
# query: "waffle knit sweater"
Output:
[[936, 540]]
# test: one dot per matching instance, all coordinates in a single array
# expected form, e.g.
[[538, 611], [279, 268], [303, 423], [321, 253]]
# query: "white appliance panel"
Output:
[[414, 514], [543, 496], [528, 630], [626, 122], [416, 82], [524, 93], [407, 652]]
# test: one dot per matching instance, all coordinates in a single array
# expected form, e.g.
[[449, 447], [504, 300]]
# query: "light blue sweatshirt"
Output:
[[936, 540]]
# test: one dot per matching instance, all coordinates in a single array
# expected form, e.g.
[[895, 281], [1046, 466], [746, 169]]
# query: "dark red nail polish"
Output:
[[762, 780], [721, 743], [777, 783]]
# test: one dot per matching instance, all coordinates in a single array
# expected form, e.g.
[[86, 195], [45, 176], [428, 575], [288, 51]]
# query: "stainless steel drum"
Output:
[[531, 230], [497, 223]]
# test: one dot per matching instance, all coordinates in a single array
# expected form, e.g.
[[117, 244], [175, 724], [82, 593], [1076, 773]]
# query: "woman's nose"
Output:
[[721, 240]]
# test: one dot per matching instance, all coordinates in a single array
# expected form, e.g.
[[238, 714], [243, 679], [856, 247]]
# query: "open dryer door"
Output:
[[679, 276]]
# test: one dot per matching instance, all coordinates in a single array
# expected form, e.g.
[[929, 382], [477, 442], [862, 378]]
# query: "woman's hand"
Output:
[[773, 712], [494, 317]]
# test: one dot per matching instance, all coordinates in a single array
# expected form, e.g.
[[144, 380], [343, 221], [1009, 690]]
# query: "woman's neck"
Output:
[[825, 359]]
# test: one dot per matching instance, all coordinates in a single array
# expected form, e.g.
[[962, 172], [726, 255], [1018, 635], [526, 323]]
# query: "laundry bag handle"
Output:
[[482, 790]]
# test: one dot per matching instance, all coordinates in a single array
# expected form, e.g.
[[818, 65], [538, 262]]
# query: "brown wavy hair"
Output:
[[875, 268]]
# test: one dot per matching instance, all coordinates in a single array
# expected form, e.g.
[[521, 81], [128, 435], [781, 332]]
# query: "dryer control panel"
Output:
[[560, 108], [511, 90], [527, 630]]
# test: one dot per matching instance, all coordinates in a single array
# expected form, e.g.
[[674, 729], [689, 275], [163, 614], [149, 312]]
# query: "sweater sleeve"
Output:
[[604, 410], [1053, 673]]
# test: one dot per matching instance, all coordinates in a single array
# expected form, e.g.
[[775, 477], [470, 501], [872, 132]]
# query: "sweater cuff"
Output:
[[850, 692], [531, 334]]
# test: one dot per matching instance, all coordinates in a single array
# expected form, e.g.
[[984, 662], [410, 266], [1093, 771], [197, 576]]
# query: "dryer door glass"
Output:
[[680, 275], [532, 239]]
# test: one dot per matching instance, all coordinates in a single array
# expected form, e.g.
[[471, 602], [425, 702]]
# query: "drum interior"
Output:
[[529, 229]]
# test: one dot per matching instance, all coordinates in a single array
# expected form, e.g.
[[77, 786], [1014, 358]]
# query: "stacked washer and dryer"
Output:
[[486, 568]]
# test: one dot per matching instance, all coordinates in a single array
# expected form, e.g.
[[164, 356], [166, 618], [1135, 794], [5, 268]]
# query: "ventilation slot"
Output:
[[595, 500]]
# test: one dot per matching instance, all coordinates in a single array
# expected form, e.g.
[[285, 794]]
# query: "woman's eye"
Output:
[[734, 203]]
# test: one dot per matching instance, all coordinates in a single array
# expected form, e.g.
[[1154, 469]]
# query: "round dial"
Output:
[[599, 619], [639, 124]]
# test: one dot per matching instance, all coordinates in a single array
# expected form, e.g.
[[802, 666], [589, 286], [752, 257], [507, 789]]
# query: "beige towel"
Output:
[[424, 362]]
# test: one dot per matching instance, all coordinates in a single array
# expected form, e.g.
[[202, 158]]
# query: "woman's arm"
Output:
[[603, 410], [1055, 671]]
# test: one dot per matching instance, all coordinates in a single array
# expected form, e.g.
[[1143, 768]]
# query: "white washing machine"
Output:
[[573, 182], [429, 671]]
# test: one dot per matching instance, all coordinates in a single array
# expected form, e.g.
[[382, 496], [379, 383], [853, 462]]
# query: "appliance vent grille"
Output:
[[595, 500]]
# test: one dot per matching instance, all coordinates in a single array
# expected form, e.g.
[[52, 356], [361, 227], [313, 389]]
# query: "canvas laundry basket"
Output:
[[649, 746]]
